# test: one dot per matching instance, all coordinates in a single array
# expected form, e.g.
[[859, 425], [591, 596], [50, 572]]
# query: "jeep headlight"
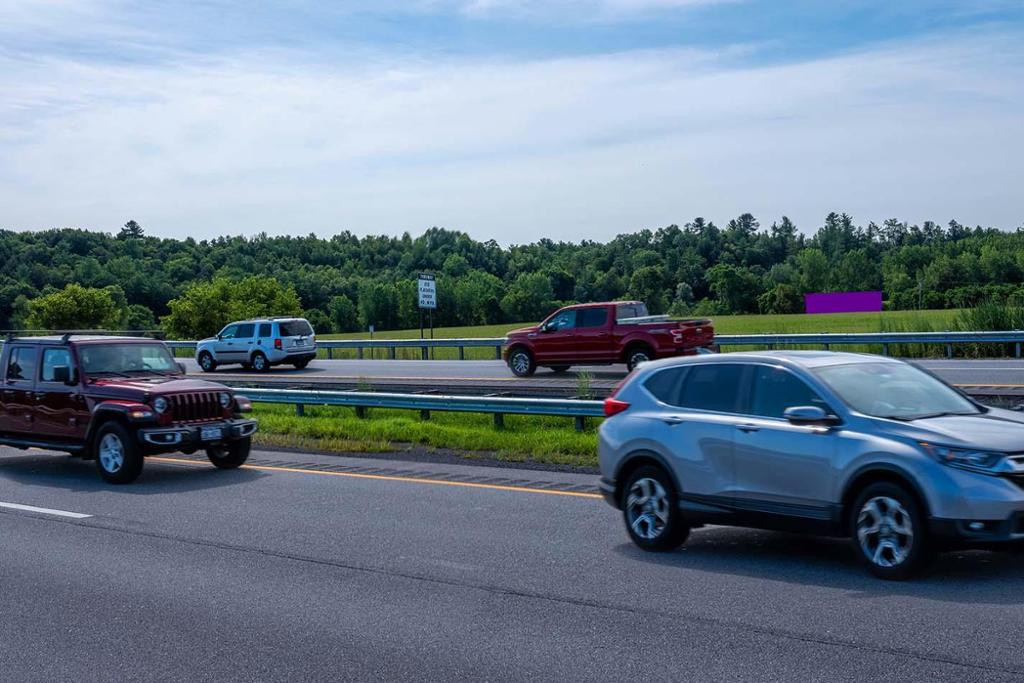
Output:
[[160, 404], [225, 399], [964, 458]]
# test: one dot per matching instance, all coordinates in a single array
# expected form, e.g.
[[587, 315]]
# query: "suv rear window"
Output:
[[712, 386], [295, 328]]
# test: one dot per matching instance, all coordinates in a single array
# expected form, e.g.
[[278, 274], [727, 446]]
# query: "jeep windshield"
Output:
[[125, 359]]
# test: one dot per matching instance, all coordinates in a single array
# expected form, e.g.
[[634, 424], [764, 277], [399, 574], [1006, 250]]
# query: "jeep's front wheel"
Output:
[[206, 362], [118, 456], [230, 456]]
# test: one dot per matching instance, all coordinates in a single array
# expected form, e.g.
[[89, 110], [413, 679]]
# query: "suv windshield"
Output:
[[295, 328], [119, 359], [894, 390]]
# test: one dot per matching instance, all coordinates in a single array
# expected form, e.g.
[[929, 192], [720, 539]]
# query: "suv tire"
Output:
[[118, 457], [260, 362], [230, 456], [300, 364], [559, 369], [206, 362], [650, 508], [521, 362], [889, 532]]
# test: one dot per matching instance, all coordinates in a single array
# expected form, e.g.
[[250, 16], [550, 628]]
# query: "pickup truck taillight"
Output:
[[277, 344], [613, 406]]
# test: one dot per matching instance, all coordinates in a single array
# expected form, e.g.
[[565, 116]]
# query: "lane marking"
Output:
[[385, 477], [45, 511]]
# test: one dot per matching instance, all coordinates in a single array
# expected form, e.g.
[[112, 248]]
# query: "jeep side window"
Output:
[[229, 332], [22, 363], [266, 330], [51, 359], [245, 331]]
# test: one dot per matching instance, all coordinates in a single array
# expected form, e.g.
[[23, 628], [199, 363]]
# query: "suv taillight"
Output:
[[277, 344], [613, 406]]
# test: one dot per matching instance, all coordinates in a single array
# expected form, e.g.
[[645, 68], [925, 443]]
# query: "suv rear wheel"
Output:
[[889, 531], [206, 362], [230, 455], [118, 457], [650, 508]]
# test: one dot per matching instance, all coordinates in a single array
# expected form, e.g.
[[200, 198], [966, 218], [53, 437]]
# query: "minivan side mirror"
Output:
[[809, 415], [62, 374]]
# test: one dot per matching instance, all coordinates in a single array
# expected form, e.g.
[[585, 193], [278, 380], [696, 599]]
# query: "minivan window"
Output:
[[712, 386], [245, 331], [592, 317], [22, 363], [53, 358], [665, 385], [776, 389], [295, 328]]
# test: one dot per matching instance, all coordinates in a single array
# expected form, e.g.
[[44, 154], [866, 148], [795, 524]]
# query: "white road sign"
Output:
[[428, 291]]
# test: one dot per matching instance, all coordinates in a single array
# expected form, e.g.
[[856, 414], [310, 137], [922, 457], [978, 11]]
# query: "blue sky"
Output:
[[508, 119]]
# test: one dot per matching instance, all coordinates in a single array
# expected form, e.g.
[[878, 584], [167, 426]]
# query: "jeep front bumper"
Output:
[[180, 437]]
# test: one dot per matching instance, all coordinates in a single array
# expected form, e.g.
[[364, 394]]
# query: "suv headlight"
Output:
[[225, 399], [160, 404], [964, 458]]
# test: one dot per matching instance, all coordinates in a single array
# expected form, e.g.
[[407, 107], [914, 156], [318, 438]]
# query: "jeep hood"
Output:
[[155, 385]]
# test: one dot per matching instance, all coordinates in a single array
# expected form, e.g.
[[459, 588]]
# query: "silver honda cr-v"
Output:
[[839, 444]]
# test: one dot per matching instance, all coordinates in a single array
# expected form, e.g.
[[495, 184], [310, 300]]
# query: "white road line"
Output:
[[45, 511]]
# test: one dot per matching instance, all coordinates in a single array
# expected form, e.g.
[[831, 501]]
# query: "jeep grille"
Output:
[[198, 406]]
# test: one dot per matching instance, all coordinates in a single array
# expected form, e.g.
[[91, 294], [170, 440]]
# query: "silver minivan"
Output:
[[859, 446], [259, 344]]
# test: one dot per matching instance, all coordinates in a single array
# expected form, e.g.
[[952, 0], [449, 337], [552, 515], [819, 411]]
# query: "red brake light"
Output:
[[613, 406], [277, 343]]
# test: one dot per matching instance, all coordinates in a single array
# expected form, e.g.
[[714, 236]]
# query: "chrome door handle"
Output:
[[748, 428], [672, 421]]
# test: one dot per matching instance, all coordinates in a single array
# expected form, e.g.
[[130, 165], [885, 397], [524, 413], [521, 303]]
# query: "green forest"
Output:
[[73, 278]]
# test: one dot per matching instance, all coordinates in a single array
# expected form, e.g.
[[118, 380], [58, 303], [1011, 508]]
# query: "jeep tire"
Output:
[[230, 455], [118, 456]]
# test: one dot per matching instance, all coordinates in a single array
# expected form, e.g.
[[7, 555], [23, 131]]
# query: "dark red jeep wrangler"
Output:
[[115, 399]]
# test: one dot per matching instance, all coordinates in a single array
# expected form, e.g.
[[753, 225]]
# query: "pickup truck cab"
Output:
[[115, 400], [602, 334]]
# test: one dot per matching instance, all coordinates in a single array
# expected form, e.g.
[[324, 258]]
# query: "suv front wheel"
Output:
[[889, 531], [650, 507]]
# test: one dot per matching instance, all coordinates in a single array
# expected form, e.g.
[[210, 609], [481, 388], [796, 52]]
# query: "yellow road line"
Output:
[[385, 477]]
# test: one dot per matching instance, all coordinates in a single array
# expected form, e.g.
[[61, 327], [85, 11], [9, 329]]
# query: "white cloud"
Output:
[[573, 148]]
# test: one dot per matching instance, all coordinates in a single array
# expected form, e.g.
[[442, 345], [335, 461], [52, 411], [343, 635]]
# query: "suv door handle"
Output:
[[748, 428], [672, 420]]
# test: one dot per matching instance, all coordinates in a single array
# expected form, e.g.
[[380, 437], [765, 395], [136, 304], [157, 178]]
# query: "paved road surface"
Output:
[[318, 568]]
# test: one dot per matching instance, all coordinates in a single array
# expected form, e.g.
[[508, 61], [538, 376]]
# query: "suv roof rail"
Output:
[[285, 317]]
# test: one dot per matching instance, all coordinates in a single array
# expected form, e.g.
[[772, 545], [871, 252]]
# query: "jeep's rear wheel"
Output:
[[206, 362], [118, 456], [651, 511], [230, 455]]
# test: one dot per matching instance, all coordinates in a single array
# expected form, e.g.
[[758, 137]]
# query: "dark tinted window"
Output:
[[712, 386], [22, 363], [245, 331], [592, 317], [51, 359], [630, 311], [265, 330], [295, 328], [563, 321], [776, 389], [665, 385]]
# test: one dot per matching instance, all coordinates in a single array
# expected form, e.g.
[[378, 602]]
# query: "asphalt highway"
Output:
[[306, 567], [1003, 376]]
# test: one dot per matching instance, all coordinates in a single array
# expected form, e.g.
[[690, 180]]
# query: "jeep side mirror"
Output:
[[809, 415], [62, 374], [181, 367]]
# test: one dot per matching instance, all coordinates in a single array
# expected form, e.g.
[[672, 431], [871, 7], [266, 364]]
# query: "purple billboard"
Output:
[[843, 302]]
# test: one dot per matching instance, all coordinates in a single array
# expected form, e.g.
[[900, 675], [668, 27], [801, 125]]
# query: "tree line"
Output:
[[73, 278]]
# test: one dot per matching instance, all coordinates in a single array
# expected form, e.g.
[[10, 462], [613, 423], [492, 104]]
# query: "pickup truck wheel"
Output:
[[637, 355], [118, 457], [521, 363], [559, 369], [260, 362], [231, 455], [206, 362]]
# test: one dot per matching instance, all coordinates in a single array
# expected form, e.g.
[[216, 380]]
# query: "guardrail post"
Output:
[[359, 353], [827, 346], [581, 423], [391, 353], [300, 409], [424, 414], [361, 412], [885, 349], [423, 352], [462, 353], [949, 350], [1017, 350], [497, 353], [499, 421], [330, 353]]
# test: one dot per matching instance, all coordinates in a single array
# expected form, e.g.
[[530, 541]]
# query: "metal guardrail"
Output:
[[426, 403], [825, 340]]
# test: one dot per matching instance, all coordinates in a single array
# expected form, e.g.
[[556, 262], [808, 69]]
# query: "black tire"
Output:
[[206, 362], [259, 362], [300, 364], [635, 355], [559, 369], [521, 362], [655, 524], [889, 553], [118, 456], [231, 455]]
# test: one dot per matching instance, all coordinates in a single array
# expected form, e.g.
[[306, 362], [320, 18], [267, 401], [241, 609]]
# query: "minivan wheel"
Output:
[[521, 363], [118, 457], [889, 532], [651, 511], [206, 362], [260, 362]]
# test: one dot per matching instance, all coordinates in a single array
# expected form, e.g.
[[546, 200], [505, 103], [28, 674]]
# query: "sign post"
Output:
[[428, 299]]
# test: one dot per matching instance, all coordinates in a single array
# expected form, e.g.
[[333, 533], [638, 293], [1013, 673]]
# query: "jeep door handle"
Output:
[[748, 428], [40, 395]]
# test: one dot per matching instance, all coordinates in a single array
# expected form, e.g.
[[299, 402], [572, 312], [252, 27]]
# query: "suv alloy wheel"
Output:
[[651, 510], [889, 531]]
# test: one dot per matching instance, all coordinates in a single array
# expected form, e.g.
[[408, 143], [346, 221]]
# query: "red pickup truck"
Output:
[[602, 334]]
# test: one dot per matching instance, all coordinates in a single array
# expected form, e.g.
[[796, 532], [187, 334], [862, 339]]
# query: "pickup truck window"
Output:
[[565, 320], [22, 363], [592, 317], [51, 359], [630, 311]]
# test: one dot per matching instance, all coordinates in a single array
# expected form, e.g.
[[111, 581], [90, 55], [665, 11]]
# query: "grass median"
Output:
[[524, 438]]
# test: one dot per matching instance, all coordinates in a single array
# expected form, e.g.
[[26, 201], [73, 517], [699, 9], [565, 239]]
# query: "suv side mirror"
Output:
[[181, 367], [62, 374], [809, 415]]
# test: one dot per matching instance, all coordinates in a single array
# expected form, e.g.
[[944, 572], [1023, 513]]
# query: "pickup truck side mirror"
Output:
[[181, 367], [62, 374], [810, 415]]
